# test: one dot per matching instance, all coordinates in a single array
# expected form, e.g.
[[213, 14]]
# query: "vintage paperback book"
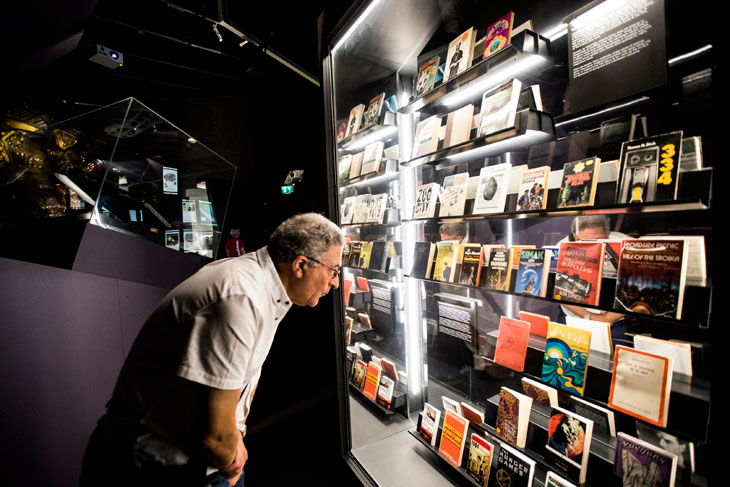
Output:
[[540, 393], [650, 169], [429, 423], [423, 260], [604, 422], [372, 381], [353, 259], [427, 76], [348, 207], [554, 480], [579, 271], [355, 120], [343, 173], [492, 190], [447, 253], [538, 322], [362, 208], [513, 417], [532, 274], [565, 362], [426, 139], [601, 340], [513, 469], [530, 98], [641, 384], [569, 443], [696, 256], [532, 193], [426, 198], [358, 375], [471, 413], [453, 195], [365, 252], [372, 157], [499, 271], [499, 34], [459, 55], [511, 349], [471, 264], [356, 165], [379, 256], [480, 459], [640, 463], [499, 107], [385, 391], [651, 277], [578, 187], [389, 369], [372, 114], [458, 126], [453, 438], [376, 212], [680, 352], [685, 450], [451, 405]]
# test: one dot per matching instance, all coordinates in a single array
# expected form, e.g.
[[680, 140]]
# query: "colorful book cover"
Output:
[[169, 180], [499, 34], [532, 194], [426, 198], [578, 187], [459, 54], [453, 438], [429, 423], [513, 417], [471, 264], [447, 253], [641, 384], [513, 469], [480, 459], [492, 191], [499, 270], [422, 260], [565, 362], [372, 114], [372, 381], [427, 76], [341, 130], [651, 277], [385, 391], [569, 443], [499, 107], [358, 376], [540, 393], [511, 349], [579, 272], [355, 120], [650, 168], [533, 272], [538, 322], [453, 195], [172, 239], [640, 463]]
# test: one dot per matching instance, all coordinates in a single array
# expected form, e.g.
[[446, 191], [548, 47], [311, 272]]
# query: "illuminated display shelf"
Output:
[[374, 133]]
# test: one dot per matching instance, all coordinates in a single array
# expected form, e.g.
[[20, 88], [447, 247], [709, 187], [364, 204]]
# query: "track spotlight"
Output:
[[218, 34]]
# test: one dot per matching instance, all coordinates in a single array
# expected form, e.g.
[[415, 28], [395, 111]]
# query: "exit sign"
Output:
[[287, 189]]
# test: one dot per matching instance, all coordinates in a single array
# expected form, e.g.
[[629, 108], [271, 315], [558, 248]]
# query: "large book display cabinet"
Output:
[[431, 333]]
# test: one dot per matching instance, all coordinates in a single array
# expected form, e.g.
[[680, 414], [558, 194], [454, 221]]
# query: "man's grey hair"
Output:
[[590, 221], [308, 234]]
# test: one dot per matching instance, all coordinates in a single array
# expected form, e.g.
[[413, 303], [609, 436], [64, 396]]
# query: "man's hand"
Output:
[[234, 470]]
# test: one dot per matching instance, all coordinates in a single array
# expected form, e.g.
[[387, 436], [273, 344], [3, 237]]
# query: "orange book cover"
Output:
[[538, 323], [453, 438], [512, 343], [372, 380], [346, 288], [362, 284]]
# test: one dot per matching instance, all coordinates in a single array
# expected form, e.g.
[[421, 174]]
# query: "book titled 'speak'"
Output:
[[453, 437], [579, 271], [565, 362], [640, 463]]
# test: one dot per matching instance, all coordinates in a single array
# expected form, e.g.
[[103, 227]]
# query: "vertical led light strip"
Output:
[[510, 297]]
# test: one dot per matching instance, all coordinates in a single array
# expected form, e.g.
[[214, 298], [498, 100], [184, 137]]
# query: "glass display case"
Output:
[[511, 198], [122, 167]]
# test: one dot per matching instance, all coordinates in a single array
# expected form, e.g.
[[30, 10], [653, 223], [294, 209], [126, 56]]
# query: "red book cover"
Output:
[[362, 284], [346, 288], [453, 438], [578, 276], [538, 323], [372, 380], [499, 34], [512, 343]]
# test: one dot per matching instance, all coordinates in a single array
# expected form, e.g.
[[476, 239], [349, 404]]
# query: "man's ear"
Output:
[[297, 265]]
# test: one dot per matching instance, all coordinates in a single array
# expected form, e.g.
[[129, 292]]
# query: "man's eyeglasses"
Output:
[[335, 270]]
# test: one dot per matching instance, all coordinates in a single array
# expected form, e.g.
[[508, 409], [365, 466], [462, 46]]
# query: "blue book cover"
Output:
[[532, 273]]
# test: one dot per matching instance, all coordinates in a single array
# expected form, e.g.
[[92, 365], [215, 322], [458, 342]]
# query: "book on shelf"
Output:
[[696, 274], [538, 322], [526, 25], [389, 369], [392, 152], [554, 480], [423, 254], [364, 320], [348, 207], [355, 120], [365, 253], [471, 413], [459, 54], [499, 270], [517, 253], [532, 193], [426, 139], [356, 164], [426, 198], [385, 391], [361, 208], [649, 169], [565, 361], [348, 329], [691, 156], [453, 195], [376, 211], [364, 350], [451, 405], [447, 252], [427, 76], [513, 417], [372, 157], [651, 277], [511, 349], [458, 126], [341, 130], [601, 340], [685, 450], [491, 193], [641, 385], [348, 283], [680, 352], [453, 437], [379, 256], [540, 393], [603, 419], [354, 257], [471, 264], [358, 374], [372, 114], [480, 459], [372, 381], [499, 108], [532, 274], [579, 271], [351, 358], [343, 168], [362, 284], [569, 443], [530, 98], [642, 462], [499, 34], [513, 468], [578, 186], [429, 423]]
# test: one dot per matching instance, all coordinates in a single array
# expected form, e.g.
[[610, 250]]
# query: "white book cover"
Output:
[[377, 208], [499, 107], [492, 190], [460, 128], [600, 333], [458, 57], [189, 211], [453, 194], [172, 239], [532, 192], [679, 352], [373, 156], [427, 136], [169, 180], [426, 197], [355, 120], [696, 256], [362, 208], [343, 167], [430, 422], [451, 405], [348, 207]]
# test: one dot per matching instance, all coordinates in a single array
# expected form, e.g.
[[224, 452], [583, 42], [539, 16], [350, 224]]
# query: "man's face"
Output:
[[317, 280], [591, 233]]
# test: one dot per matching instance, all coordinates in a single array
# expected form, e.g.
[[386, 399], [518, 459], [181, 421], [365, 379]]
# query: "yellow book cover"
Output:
[[365, 252], [446, 254], [565, 362]]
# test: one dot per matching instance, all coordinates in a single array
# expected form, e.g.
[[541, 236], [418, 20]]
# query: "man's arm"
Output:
[[222, 441]]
